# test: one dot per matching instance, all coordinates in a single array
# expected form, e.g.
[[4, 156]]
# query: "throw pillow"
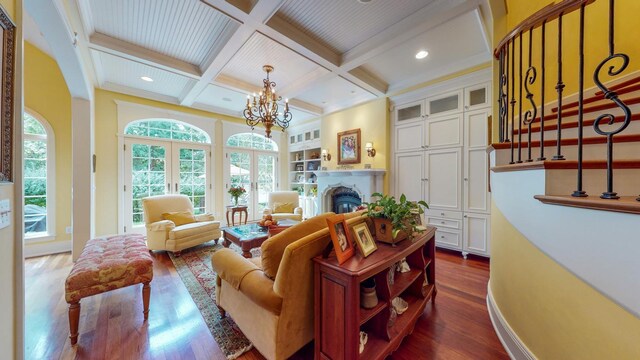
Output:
[[180, 217], [286, 207], [273, 248]]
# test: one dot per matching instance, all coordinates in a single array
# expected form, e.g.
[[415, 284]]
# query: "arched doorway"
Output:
[[252, 163], [164, 156]]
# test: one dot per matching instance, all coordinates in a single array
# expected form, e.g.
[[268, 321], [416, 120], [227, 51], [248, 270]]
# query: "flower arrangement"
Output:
[[400, 214], [236, 192]]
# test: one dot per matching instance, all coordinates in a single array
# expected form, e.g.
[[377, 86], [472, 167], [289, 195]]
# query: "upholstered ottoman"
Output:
[[106, 264]]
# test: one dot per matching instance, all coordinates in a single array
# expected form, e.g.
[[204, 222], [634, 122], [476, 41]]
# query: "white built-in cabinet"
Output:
[[440, 156]]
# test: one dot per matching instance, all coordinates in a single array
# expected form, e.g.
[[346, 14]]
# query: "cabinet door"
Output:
[[444, 104], [476, 232], [476, 194], [409, 112], [409, 179], [443, 131], [476, 128], [409, 137], [443, 178], [477, 96]]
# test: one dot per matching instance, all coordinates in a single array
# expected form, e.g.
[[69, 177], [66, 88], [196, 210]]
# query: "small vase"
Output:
[[235, 200], [368, 296]]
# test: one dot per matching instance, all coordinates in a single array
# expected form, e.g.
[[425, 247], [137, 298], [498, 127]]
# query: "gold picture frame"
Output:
[[7, 27], [349, 147], [363, 238]]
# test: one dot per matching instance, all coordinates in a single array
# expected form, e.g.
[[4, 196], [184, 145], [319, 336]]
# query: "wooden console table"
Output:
[[338, 315]]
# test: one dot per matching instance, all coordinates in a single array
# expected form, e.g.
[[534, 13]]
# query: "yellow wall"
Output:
[[45, 92], [557, 315], [106, 128], [8, 251], [372, 119]]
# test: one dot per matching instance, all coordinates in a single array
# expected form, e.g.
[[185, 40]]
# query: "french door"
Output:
[[158, 167], [256, 172]]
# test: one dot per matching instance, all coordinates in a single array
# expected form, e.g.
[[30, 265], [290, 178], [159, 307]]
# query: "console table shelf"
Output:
[[338, 315]]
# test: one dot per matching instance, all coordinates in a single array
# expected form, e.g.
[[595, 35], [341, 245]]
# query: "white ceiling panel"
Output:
[[219, 97], [335, 93], [457, 44], [246, 64], [127, 73], [183, 29], [343, 24]]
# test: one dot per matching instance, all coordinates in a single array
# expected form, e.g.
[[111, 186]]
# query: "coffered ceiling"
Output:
[[328, 55]]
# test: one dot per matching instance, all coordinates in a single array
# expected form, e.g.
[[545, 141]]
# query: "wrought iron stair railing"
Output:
[[521, 91]]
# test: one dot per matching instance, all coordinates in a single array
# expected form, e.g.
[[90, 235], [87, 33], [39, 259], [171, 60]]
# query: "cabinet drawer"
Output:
[[448, 238], [444, 214], [443, 222]]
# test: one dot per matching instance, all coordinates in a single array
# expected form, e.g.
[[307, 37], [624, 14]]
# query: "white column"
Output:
[[82, 178]]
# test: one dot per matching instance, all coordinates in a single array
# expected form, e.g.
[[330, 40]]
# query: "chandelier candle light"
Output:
[[264, 108]]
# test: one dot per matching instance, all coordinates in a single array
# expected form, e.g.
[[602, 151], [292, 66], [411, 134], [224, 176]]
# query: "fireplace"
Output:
[[342, 190], [344, 199]]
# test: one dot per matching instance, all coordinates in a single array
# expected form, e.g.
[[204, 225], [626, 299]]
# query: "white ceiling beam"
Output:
[[305, 106], [304, 82], [423, 20], [260, 13], [126, 50]]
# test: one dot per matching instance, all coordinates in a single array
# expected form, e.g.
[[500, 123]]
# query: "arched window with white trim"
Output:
[[38, 176]]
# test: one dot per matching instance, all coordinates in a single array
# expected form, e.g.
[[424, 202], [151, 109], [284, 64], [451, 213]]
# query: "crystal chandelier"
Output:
[[264, 107]]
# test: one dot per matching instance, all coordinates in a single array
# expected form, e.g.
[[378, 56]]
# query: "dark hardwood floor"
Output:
[[457, 326]]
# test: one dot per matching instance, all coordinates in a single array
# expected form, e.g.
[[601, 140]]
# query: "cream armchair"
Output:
[[271, 298], [165, 235], [284, 205]]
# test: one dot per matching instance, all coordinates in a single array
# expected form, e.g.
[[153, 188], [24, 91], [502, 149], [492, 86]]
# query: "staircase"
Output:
[[588, 162], [567, 174]]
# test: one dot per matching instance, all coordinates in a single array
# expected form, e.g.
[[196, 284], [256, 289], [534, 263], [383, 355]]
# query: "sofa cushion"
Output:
[[283, 207], [179, 217], [273, 248], [183, 231]]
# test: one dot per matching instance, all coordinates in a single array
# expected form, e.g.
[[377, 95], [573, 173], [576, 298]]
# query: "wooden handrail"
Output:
[[546, 14]]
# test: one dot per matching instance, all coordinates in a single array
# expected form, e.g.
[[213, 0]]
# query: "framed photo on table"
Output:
[[8, 35], [363, 238], [349, 147], [340, 237]]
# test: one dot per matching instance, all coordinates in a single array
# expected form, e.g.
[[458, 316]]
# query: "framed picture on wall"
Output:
[[349, 147], [7, 29]]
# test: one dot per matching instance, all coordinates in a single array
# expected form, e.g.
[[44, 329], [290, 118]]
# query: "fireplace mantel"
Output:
[[363, 181]]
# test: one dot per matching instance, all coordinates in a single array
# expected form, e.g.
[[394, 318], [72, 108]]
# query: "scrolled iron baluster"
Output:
[[530, 115], [613, 96], [503, 99]]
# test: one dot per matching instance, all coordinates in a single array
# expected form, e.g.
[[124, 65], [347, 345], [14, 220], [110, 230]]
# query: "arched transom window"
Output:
[[167, 129], [252, 141]]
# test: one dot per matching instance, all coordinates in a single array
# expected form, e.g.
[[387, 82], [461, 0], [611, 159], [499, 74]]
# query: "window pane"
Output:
[[35, 177], [252, 141], [167, 129], [33, 126]]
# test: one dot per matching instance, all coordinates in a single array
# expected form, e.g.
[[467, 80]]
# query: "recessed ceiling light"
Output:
[[146, 78], [353, 91], [364, 1], [226, 99], [324, 102], [422, 54]]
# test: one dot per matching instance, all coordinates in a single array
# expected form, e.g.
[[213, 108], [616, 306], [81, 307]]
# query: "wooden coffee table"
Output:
[[249, 236]]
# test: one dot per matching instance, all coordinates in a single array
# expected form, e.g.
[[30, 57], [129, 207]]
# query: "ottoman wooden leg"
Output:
[[146, 293], [74, 319], [223, 313], [177, 253]]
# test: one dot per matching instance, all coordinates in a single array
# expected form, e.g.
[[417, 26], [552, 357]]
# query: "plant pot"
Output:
[[384, 231]]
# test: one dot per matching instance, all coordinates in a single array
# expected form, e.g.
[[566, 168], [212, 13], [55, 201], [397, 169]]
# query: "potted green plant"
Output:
[[395, 220]]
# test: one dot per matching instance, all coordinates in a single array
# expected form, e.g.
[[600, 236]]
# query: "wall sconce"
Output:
[[371, 152], [325, 155]]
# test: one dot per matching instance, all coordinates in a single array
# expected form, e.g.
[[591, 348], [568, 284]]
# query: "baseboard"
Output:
[[510, 341], [46, 248]]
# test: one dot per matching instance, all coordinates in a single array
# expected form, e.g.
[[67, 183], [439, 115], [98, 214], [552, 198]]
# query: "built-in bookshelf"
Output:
[[303, 165]]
